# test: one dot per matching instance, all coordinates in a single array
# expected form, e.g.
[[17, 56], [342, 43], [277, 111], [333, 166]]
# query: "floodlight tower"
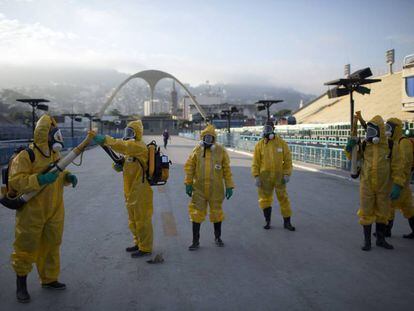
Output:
[[36, 104], [90, 118], [265, 104], [73, 117], [348, 85], [227, 114]]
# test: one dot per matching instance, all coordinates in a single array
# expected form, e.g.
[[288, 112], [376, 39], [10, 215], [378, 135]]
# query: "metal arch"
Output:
[[152, 77]]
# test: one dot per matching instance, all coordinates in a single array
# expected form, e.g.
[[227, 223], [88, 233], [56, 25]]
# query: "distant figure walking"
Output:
[[166, 137]]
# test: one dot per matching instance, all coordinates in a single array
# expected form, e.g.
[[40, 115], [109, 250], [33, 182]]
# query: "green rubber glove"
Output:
[[99, 139], [189, 190], [47, 178], [117, 167], [351, 143], [395, 192], [229, 193], [70, 178]]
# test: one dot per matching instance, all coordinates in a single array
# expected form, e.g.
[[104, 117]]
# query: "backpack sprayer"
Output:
[[16, 202], [158, 164]]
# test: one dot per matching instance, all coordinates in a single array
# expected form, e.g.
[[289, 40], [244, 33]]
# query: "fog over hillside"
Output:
[[86, 89]]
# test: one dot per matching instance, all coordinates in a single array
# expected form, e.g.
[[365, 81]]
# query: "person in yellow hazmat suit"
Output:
[[271, 168], [39, 223], [394, 131], [137, 190], [381, 179], [205, 170]]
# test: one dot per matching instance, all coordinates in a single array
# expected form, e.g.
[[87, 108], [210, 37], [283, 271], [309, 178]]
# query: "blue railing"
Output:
[[303, 151]]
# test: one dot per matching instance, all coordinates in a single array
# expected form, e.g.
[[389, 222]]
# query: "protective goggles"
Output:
[[267, 129], [208, 139], [56, 136], [373, 133], [129, 133], [389, 129]]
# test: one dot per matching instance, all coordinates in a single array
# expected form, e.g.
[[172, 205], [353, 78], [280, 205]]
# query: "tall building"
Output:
[[174, 100], [186, 107], [155, 107]]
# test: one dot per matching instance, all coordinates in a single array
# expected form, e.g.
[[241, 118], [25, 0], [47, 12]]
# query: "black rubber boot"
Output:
[[267, 212], [411, 235], [21, 293], [388, 228], [196, 237], [132, 249], [287, 225], [140, 254], [380, 228], [54, 285], [367, 238], [217, 234]]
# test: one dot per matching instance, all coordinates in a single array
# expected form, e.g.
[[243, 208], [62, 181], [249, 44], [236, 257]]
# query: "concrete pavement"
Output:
[[318, 267]]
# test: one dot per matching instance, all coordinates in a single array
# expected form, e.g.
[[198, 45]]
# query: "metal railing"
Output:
[[319, 154]]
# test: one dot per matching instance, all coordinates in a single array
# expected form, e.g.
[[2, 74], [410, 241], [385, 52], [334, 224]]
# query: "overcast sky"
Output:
[[298, 44]]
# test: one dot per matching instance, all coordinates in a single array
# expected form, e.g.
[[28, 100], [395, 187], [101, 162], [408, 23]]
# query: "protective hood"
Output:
[[138, 128], [41, 132], [210, 129], [379, 121], [398, 131]]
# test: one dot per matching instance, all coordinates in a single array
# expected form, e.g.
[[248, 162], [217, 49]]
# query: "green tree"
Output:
[[283, 112], [115, 112]]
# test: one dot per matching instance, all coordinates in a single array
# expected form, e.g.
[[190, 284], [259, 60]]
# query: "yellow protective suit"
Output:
[[378, 173], [39, 223], [138, 192], [206, 174], [405, 151], [271, 161]]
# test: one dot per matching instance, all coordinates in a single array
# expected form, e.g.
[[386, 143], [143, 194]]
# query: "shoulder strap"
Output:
[[363, 146], [31, 154], [143, 171], [390, 146]]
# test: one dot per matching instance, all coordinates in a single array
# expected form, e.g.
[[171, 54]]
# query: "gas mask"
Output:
[[373, 133], [129, 133], [208, 140], [268, 132], [389, 129], [56, 139]]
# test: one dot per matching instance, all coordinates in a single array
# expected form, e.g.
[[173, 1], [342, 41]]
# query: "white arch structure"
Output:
[[152, 77]]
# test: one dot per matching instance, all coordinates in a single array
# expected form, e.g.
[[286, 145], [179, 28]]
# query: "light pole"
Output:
[[227, 114], [90, 117], [36, 104], [265, 105], [353, 83], [76, 117]]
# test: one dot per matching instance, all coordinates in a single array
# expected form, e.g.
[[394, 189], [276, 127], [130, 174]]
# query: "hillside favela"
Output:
[[206, 155]]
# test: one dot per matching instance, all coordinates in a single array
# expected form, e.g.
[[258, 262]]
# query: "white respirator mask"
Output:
[[56, 140]]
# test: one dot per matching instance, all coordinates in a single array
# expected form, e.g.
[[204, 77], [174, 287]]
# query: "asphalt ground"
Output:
[[318, 267]]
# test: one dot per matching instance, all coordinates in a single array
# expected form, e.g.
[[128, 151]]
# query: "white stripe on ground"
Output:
[[306, 168]]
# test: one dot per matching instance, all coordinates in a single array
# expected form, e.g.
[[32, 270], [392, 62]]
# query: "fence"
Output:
[[320, 154]]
